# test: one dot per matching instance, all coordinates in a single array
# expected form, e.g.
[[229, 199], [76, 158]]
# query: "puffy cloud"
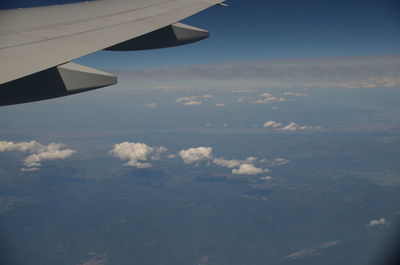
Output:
[[39, 152], [381, 221], [192, 103], [267, 98], [239, 167], [294, 94], [293, 126], [195, 155], [184, 99], [189, 101], [266, 178], [208, 96], [251, 159], [227, 163], [279, 161], [248, 169], [273, 124], [137, 154], [220, 105], [152, 105]]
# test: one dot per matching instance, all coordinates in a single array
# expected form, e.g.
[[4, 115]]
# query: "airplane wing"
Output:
[[37, 44]]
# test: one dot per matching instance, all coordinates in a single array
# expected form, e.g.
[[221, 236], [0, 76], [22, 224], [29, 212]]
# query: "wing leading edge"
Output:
[[36, 44]]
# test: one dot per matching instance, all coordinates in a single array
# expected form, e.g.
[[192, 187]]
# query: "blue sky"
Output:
[[259, 29]]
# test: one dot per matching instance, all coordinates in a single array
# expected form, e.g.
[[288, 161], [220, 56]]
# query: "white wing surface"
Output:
[[36, 44]]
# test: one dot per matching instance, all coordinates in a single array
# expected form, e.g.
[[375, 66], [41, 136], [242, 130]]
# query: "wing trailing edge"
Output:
[[173, 35]]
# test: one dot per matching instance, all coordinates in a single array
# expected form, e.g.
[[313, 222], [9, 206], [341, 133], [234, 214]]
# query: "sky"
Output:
[[259, 29]]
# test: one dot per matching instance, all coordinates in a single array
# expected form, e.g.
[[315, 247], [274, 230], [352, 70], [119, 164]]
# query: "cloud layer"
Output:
[[333, 72], [39, 152]]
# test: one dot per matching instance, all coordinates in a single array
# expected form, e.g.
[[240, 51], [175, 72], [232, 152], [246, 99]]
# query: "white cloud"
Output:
[[195, 155], [273, 124], [227, 163], [267, 98], [239, 167], [39, 152], [294, 94], [208, 96], [184, 99], [266, 178], [248, 169], [293, 126], [279, 161], [220, 105], [266, 95], [241, 99], [251, 159], [152, 105], [137, 153], [381, 221], [192, 103]]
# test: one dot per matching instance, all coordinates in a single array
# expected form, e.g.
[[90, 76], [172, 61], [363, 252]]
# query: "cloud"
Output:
[[192, 103], [195, 155], [220, 105], [39, 152], [208, 96], [273, 124], [303, 253], [276, 162], [239, 167], [294, 94], [248, 169], [279, 161], [267, 98], [184, 99], [188, 101], [293, 126], [152, 105], [329, 244], [227, 163], [266, 178], [381, 221], [307, 252], [331, 72], [137, 153]]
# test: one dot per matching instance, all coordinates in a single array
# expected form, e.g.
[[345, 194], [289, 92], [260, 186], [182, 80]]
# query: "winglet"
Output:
[[222, 4]]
